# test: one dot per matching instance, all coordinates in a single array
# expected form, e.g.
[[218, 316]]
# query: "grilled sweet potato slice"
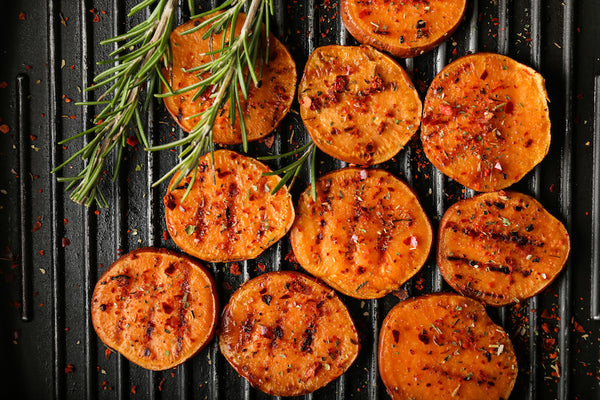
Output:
[[287, 334], [365, 235], [156, 307], [486, 121], [444, 346], [501, 247], [403, 28], [358, 104], [266, 105], [229, 214]]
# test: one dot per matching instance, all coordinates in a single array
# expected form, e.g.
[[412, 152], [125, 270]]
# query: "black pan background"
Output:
[[47, 275]]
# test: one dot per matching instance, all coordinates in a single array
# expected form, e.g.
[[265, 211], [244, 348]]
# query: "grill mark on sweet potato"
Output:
[[351, 237], [503, 269], [147, 323], [267, 103], [351, 105], [446, 341], [199, 222], [319, 344], [475, 233], [498, 230], [474, 133], [405, 29], [181, 331], [235, 218]]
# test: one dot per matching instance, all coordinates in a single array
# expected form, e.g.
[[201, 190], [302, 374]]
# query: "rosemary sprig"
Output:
[[136, 65], [230, 71], [292, 170]]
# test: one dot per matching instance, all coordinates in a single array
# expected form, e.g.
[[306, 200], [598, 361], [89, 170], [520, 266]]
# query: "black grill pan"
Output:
[[53, 251]]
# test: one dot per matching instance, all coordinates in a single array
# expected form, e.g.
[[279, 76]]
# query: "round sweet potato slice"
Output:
[[266, 105], [156, 307], [403, 28], [358, 104], [287, 334], [229, 214], [486, 122], [501, 247], [444, 346], [365, 235]]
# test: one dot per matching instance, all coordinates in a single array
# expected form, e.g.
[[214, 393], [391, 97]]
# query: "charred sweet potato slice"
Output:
[[266, 105], [229, 214], [403, 28], [156, 307], [501, 247], [358, 104], [486, 121], [287, 334], [444, 346], [365, 235]]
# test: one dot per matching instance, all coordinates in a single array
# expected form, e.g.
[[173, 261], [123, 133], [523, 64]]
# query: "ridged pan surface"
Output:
[[54, 251]]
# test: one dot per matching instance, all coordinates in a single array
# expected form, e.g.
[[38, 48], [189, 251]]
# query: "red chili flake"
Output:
[[22, 16], [446, 110], [161, 383], [37, 226], [291, 257], [69, 369], [401, 294], [32, 137], [546, 314], [269, 141], [3, 85], [578, 327], [107, 353], [234, 268], [42, 252], [104, 384], [261, 267], [412, 242], [132, 141], [65, 242], [65, 221], [67, 100], [97, 212], [546, 327], [419, 283], [134, 389], [4, 128], [548, 343], [165, 235], [553, 188], [226, 286], [96, 18]]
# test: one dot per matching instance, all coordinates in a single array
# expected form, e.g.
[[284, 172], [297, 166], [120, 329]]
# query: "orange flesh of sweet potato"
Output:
[[501, 247], [404, 29], [156, 307], [358, 104], [266, 105], [233, 218], [444, 346], [287, 334], [486, 121], [365, 235]]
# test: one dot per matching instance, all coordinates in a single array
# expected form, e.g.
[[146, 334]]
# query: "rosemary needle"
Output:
[[228, 76], [136, 65]]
